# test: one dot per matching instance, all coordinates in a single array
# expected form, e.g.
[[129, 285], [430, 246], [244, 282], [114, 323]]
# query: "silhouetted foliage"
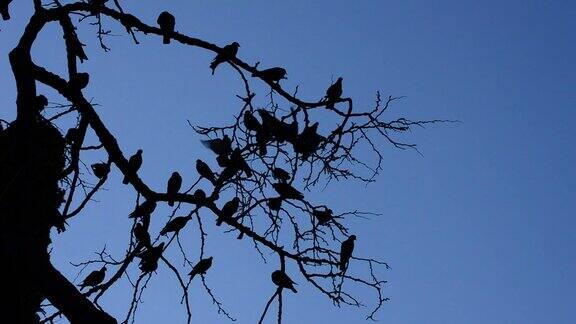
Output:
[[267, 161]]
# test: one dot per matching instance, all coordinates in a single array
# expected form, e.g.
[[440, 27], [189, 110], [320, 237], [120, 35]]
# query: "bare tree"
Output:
[[267, 158]]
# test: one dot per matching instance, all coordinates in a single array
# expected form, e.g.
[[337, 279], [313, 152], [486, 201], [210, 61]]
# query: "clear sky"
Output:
[[480, 229]]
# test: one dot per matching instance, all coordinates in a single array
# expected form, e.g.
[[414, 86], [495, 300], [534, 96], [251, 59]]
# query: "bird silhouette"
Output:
[[166, 22], [201, 267], [308, 141], [100, 170], [149, 258], [220, 146], [200, 197], [228, 173], [275, 203], [4, 9], [270, 124], [286, 191], [281, 279], [204, 171], [229, 51], [228, 210], [280, 174], [40, 102], [141, 234], [346, 252], [80, 80], [274, 74], [72, 135], [250, 122], [237, 161], [175, 225], [94, 278], [322, 215], [333, 93], [134, 164], [144, 209], [174, 185]]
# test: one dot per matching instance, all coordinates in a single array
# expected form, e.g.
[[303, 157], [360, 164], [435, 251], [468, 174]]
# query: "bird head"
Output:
[[103, 269], [175, 173], [235, 44], [139, 151], [339, 79], [352, 237]]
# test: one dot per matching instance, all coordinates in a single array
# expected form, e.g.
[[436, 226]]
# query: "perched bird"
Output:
[[40, 102], [228, 173], [346, 252], [323, 216], [280, 174], [286, 191], [149, 258], [175, 225], [166, 22], [100, 169], [229, 51], [134, 163], [275, 203], [333, 93], [281, 279], [80, 80], [229, 209], [308, 141], [142, 235], [204, 171], [174, 185], [262, 141], [274, 74], [220, 146], [72, 135], [4, 9], [94, 278], [287, 132], [270, 124], [250, 122], [201, 267], [144, 209], [237, 161], [200, 196]]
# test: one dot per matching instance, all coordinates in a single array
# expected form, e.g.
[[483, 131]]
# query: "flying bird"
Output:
[[174, 185], [166, 22], [201, 267], [346, 252], [149, 258], [286, 191], [280, 174], [228, 210], [175, 225], [100, 170], [220, 146], [94, 278], [144, 209], [274, 74], [134, 164], [281, 279], [204, 171], [333, 93], [229, 51]]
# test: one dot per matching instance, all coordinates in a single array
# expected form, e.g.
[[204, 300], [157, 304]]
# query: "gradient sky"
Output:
[[480, 229]]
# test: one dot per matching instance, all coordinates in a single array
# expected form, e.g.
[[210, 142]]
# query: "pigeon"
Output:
[[166, 22], [238, 162], [286, 191], [346, 251], [149, 258], [204, 171], [228, 210], [80, 80], [280, 174], [275, 203], [174, 184], [141, 235], [100, 169], [250, 122], [281, 279], [201, 267], [323, 216], [200, 197], [333, 93], [229, 51], [308, 142], [94, 278], [175, 225], [134, 164], [145, 209], [219, 146], [274, 74], [4, 10]]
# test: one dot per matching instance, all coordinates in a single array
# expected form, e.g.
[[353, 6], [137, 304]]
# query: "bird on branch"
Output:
[[333, 93], [175, 225], [100, 170], [144, 209], [149, 258], [201, 267], [228, 210], [280, 174], [286, 191], [271, 75], [346, 252], [167, 22], [141, 235], [204, 171], [94, 278], [229, 51], [134, 164], [174, 185], [281, 279]]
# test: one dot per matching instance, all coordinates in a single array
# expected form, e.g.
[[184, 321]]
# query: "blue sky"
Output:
[[480, 229]]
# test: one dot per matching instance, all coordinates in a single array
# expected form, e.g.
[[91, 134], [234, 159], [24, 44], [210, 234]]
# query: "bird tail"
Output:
[[255, 74], [213, 66], [192, 275], [5, 14], [293, 289], [166, 39], [171, 203], [125, 181], [220, 221]]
